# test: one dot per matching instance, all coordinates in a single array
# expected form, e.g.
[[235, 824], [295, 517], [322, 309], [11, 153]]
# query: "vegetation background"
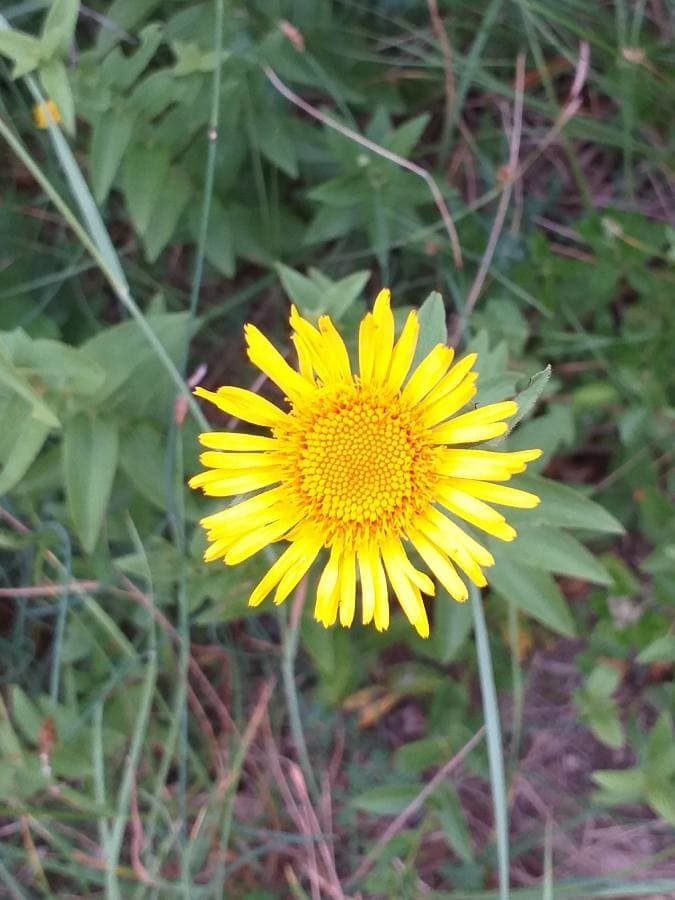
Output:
[[214, 160]]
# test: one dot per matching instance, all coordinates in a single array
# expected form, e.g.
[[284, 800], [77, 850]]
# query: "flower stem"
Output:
[[494, 741]]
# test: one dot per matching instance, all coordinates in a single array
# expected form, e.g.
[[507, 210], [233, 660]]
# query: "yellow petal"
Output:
[[452, 433], [450, 403], [440, 565], [491, 465], [404, 352], [347, 587], [240, 511], [235, 441], [307, 552], [337, 355], [475, 512], [267, 358], [381, 615], [428, 373], [497, 493], [367, 348], [327, 596], [277, 570], [407, 593], [450, 381], [216, 483], [244, 404], [367, 579], [234, 462], [455, 543], [384, 335], [254, 541]]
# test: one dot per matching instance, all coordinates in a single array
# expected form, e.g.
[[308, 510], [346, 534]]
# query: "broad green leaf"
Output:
[[26, 714], [603, 681], [622, 785], [659, 759], [300, 289], [110, 138], [452, 625], [527, 398], [90, 448], [23, 49], [342, 294], [142, 452], [126, 356], [167, 213], [551, 550], [29, 437], [144, 178], [433, 326], [12, 379], [274, 141], [661, 798], [660, 650], [54, 78], [64, 369], [453, 820], [59, 24], [220, 236], [567, 507], [532, 591], [387, 799]]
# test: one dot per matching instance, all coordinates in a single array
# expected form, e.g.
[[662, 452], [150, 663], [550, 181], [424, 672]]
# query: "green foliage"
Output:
[[130, 675]]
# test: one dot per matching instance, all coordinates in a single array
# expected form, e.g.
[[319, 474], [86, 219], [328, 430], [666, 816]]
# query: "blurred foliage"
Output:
[[96, 447]]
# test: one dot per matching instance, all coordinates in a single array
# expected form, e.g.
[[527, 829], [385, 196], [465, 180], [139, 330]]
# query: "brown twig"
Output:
[[393, 829], [498, 223], [401, 161]]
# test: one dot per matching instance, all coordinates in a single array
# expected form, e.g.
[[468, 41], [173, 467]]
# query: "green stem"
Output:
[[494, 741]]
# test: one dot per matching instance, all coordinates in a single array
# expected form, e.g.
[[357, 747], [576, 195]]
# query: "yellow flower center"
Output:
[[360, 463]]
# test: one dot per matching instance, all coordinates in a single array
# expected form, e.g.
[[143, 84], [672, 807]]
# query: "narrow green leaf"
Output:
[[54, 78], [300, 289], [166, 214], [387, 799], [90, 447], [109, 140], [433, 326], [622, 786], [59, 24]]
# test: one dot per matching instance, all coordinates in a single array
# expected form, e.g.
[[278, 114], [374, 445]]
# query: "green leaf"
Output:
[[527, 398], [59, 24], [54, 79], [551, 550], [453, 821], [534, 592], [142, 448], [452, 626], [386, 799], [660, 650], [659, 758], [23, 49], [219, 247], [603, 681], [90, 447], [566, 507], [144, 179], [340, 295], [622, 786], [29, 437], [167, 213], [433, 326], [18, 384], [110, 138], [303, 291], [661, 798]]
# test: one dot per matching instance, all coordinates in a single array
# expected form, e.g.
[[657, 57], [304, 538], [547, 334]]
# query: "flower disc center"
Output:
[[362, 460]]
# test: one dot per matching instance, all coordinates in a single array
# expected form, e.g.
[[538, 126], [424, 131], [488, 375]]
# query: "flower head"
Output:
[[367, 466], [46, 113]]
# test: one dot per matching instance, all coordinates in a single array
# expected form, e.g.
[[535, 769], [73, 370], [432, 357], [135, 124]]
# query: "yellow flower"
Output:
[[366, 466], [45, 112]]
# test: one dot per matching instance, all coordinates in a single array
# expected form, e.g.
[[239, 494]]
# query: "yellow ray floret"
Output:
[[362, 468]]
